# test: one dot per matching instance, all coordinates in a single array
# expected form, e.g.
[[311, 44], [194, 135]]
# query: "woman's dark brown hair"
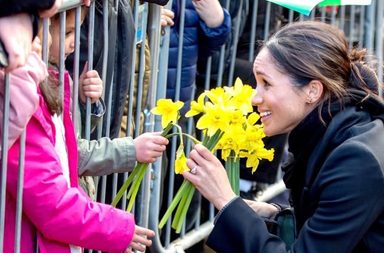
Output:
[[312, 50]]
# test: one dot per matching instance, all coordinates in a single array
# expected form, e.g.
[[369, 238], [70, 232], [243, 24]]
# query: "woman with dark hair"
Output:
[[311, 86]]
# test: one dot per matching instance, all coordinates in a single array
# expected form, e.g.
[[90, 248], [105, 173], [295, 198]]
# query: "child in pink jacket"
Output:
[[55, 210], [103, 156]]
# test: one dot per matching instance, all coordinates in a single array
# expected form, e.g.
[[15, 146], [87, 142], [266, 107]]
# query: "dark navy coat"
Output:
[[341, 211]]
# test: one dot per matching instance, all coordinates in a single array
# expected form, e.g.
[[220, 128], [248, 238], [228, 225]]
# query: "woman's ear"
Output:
[[314, 91]]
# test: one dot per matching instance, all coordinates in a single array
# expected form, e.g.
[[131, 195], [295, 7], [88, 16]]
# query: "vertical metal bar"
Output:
[[180, 50], [361, 27], [104, 76], [144, 194], [342, 17], [4, 160], [290, 18], [267, 20], [45, 40], [115, 175], [368, 27], [19, 197], [333, 15], [234, 51], [75, 89], [131, 89], [207, 82], [313, 14], [141, 74], [379, 42], [351, 26], [323, 14], [252, 43], [158, 84], [91, 28], [220, 71], [179, 65], [63, 16]]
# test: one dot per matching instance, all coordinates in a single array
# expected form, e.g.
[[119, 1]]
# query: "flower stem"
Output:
[[174, 203], [188, 199], [135, 186], [126, 184], [134, 179], [194, 140], [233, 169]]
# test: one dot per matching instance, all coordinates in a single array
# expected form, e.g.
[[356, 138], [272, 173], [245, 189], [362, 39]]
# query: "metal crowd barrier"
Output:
[[362, 25]]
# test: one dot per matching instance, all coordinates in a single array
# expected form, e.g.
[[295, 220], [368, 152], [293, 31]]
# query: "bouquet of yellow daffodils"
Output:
[[228, 123]]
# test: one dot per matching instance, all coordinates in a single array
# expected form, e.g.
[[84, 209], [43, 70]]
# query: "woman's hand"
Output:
[[210, 177], [262, 209]]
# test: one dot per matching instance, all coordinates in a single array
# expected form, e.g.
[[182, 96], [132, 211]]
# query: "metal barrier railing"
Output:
[[362, 25]]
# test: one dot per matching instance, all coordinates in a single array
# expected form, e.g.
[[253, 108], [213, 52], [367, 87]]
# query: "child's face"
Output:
[[69, 41]]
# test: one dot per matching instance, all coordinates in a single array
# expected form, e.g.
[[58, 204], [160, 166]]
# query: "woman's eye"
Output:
[[266, 84]]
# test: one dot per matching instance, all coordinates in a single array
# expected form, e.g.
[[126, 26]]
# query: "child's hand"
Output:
[[210, 11], [140, 241], [166, 17], [36, 46], [149, 146], [90, 85]]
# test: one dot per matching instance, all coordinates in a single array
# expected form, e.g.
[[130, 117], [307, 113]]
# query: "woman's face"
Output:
[[280, 105]]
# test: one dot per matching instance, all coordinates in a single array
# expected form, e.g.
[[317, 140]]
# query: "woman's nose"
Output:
[[257, 100]]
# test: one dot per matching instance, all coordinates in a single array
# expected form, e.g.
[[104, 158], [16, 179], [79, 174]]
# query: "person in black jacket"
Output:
[[311, 86]]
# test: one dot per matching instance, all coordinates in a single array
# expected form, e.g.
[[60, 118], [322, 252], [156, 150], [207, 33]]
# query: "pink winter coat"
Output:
[[56, 214], [24, 100]]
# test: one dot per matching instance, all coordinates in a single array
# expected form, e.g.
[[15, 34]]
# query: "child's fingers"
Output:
[[91, 80], [91, 74], [85, 69], [36, 46]]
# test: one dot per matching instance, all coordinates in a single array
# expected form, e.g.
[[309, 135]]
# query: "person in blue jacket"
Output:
[[312, 86], [207, 27]]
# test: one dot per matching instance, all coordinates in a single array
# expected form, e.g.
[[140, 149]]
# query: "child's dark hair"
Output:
[[51, 92]]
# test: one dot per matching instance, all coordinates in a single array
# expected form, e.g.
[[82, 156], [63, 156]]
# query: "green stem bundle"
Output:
[[184, 195], [233, 170], [134, 180]]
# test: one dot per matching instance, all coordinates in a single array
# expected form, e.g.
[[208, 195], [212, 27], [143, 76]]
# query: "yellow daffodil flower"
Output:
[[215, 118], [181, 161], [218, 96], [241, 96], [168, 110], [197, 107]]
